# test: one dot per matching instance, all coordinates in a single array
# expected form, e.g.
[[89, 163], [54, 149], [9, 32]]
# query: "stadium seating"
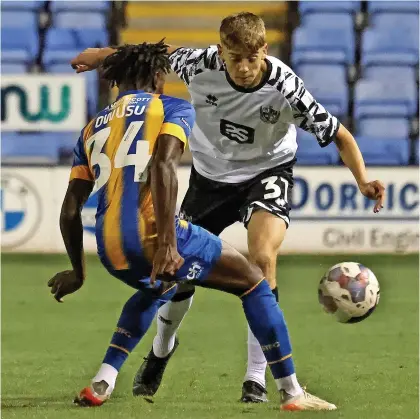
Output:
[[13, 68], [22, 5], [29, 148], [389, 47], [307, 7], [394, 75], [60, 39], [83, 20], [15, 56], [331, 20], [59, 67], [328, 84], [388, 73], [20, 148], [92, 38], [375, 7], [59, 57], [63, 38], [392, 22], [384, 151], [394, 99], [19, 19], [385, 96], [321, 45], [99, 6], [310, 153], [89, 28], [384, 127], [19, 45]]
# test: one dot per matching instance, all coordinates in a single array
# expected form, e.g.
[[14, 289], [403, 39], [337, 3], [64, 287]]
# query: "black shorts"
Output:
[[217, 205]]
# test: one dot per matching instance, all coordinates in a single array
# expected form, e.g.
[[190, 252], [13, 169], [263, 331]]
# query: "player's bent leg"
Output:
[[169, 318], [232, 273], [149, 376], [203, 205], [136, 317], [265, 235]]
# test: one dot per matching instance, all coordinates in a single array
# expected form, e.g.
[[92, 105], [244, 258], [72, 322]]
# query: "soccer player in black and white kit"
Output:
[[248, 105]]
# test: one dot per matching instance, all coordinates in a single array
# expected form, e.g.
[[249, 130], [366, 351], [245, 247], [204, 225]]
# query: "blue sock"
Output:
[[136, 318], [269, 327]]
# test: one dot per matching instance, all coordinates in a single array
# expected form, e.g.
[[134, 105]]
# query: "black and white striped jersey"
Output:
[[241, 132]]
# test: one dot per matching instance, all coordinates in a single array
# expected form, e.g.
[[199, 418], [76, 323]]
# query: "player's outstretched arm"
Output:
[[164, 188], [91, 58], [67, 282], [353, 159], [311, 116]]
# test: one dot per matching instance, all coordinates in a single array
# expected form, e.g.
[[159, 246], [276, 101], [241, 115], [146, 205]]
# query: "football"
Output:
[[349, 291]]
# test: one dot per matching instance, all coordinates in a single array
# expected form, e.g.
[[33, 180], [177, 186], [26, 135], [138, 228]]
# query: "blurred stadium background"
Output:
[[360, 59]]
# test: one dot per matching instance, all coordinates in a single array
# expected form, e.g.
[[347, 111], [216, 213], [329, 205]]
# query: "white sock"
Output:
[[256, 361], [169, 319], [290, 385], [107, 373]]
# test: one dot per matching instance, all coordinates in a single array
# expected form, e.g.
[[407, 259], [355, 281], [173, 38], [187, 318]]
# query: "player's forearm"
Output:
[[72, 232], [351, 155], [164, 188], [104, 52]]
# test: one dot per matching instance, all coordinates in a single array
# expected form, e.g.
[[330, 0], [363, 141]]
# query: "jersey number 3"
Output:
[[139, 159], [274, 190]]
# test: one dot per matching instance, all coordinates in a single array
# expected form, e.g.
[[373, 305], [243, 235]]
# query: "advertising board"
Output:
[[34, 102], [329, 215]]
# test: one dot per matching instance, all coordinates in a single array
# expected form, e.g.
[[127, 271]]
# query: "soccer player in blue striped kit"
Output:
[[130, 152]]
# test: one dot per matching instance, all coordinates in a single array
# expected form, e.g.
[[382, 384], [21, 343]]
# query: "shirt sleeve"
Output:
[[188, 62], [179, 121], [307, 113], [80, 168]]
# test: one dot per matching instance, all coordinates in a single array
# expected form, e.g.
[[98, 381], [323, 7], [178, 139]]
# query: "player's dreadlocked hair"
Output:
[[132, 64]]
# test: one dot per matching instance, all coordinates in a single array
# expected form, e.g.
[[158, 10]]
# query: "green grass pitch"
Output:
[[50, 350]]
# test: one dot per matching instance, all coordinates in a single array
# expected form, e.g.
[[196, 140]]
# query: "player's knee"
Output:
[[252, 277], [265, 260]]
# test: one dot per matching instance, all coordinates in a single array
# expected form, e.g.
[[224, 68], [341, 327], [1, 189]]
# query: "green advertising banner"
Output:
[[50, 102]]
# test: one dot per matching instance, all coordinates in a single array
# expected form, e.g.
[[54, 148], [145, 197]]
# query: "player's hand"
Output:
[[167, 260], [374, 190], [64, 283], [87, 60]]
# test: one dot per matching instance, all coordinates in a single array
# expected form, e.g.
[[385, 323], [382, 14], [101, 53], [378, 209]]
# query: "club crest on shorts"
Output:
[[194, 271], [269, 115]]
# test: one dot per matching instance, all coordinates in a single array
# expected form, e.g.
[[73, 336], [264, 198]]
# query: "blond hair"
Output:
[[243, 30]]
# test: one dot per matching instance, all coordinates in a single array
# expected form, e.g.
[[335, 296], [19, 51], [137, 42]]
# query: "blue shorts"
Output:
[[199, 248]]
